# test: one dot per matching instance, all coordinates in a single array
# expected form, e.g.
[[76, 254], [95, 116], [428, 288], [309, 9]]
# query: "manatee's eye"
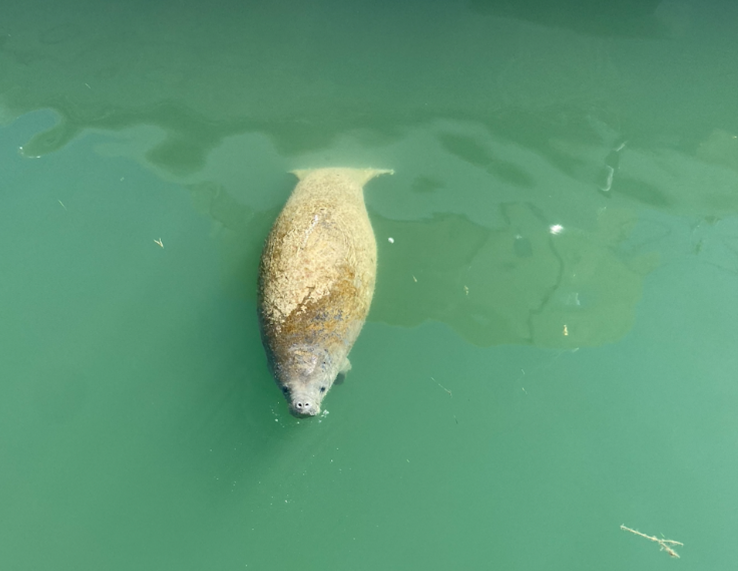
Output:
[[286, 390], [322, 389]]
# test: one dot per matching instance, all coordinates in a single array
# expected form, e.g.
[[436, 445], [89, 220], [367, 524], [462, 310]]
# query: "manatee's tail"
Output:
[[365, 175], [362, 176]]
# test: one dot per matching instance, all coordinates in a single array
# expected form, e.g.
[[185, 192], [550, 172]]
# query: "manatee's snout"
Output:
[[304, 406]]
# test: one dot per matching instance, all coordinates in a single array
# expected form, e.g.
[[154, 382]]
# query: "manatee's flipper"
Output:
[[345, 368]]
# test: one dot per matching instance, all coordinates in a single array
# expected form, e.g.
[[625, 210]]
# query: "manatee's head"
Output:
[[306, 377], [304, 400]]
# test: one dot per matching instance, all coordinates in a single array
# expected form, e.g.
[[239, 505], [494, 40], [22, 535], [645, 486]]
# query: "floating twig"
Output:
[[444, 388], [665, 544]]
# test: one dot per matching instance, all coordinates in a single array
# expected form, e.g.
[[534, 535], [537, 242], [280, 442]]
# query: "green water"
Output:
[[552, 348]]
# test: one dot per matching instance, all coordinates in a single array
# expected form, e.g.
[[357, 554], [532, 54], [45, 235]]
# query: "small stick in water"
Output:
[[664, 543]]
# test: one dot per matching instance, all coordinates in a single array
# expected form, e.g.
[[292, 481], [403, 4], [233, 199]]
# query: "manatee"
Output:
[[316, 281]]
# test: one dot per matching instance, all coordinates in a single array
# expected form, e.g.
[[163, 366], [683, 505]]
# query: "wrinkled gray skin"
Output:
[[306, 376]]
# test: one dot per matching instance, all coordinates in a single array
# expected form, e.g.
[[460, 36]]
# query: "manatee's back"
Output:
[[317, 273]]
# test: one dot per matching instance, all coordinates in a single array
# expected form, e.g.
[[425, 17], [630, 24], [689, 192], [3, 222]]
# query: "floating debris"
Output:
[[666, 544]]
